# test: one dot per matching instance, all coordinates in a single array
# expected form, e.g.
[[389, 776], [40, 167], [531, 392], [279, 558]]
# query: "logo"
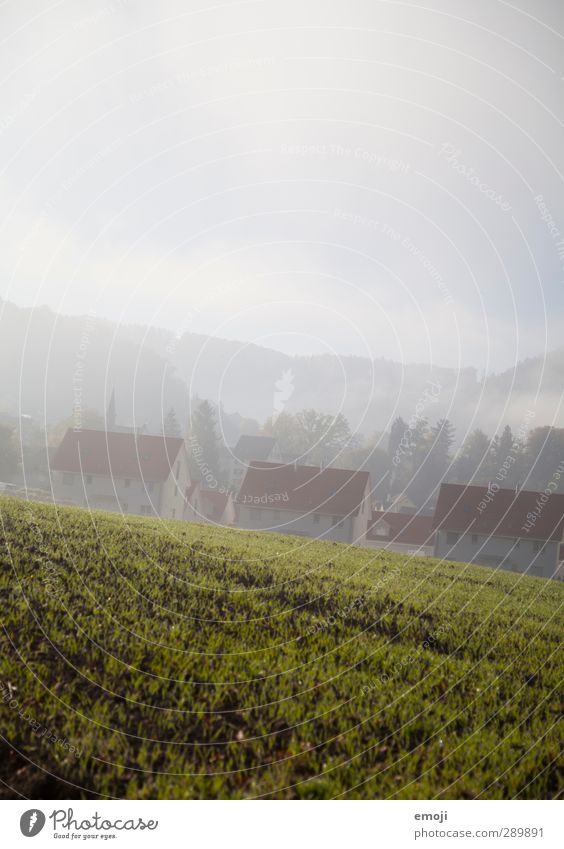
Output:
[[32, 822]]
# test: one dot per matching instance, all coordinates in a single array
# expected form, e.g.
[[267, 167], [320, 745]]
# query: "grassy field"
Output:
[[183, 661]]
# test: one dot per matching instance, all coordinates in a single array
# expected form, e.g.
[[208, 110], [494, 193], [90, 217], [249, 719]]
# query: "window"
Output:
[[174, 512], [68, 479], [517, 543], [335, 521], [88, 480], [452, 537], [127, 483], [536, 546], [150, 486], [316, 518], [276, 515], [124, 506], [145, 510], [474, 539]]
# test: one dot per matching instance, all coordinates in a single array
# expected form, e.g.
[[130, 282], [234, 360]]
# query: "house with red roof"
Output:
[[326, 503], [248, 448], [408, 534], [521, 531], [122, 471], [215, 506]]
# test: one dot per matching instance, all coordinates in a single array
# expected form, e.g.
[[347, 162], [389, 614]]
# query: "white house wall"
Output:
[[500, 551], [99, 492], [289, 522]]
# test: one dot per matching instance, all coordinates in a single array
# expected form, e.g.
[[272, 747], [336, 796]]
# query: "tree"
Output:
[[203, 443], [418, 438], [286, 430], [371, 459], [170, 424], [544, 456], [434, 468], [323, 435], [397, 456], [475, 462], [312, 436], [88, 419], [8, 453]]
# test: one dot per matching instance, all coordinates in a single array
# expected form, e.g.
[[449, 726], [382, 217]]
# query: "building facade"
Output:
[[477, 524], [122, 472], [247, 449], [332, 504], [401, 532]]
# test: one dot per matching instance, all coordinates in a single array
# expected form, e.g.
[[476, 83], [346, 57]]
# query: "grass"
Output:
[[185, 661]]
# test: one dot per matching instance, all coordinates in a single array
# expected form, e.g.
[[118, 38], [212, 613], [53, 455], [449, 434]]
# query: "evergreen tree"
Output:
[[544, 456], [396, 453], [475, 462], [438, 459], [170, 425], [203, 443]]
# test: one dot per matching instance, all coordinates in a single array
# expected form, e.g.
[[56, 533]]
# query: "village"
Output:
[[149, 475]]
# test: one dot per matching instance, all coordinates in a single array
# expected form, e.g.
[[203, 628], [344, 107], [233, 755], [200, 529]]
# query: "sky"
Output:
[[373, 178]]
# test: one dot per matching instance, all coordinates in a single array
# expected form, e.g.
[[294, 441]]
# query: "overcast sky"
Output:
[[363, 177]]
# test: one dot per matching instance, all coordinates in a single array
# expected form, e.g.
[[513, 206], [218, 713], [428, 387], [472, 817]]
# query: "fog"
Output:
[[372, 179]]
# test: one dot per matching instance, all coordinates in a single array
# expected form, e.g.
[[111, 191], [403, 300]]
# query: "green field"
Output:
[[183, 661]]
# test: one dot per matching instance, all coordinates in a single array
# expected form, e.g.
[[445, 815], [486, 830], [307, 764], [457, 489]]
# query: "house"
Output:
[[401, 532], [402, 504], [248, 448], [308, 501], [519, 531], [125, 472], [209, 505]]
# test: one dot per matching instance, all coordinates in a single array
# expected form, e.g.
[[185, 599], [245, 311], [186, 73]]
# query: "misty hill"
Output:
[[57, 361]]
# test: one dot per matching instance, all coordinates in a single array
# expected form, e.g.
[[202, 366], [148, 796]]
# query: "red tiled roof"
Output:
[[121, 455], [213, 503], [253, 448], [404, 529], [505, 514], [303, 489]]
